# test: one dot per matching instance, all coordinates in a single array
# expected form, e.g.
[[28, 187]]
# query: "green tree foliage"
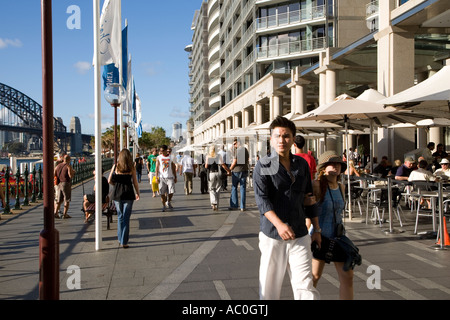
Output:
[[153, 139]]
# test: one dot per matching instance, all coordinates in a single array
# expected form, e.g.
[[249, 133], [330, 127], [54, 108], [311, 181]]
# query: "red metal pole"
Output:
[[49, 236], [115, 133]]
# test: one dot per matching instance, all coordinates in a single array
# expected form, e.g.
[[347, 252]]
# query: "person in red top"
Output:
[[299, 143]]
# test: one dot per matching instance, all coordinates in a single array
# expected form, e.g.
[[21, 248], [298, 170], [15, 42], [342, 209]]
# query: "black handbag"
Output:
[[338, 249]]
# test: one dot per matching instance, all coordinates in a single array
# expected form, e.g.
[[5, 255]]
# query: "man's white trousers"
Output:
[[279, 255]]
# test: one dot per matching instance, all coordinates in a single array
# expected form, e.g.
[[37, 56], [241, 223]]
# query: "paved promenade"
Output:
[[194, 253]]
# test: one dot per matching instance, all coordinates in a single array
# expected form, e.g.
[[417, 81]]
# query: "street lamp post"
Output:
[[115, 94], [49, 236]]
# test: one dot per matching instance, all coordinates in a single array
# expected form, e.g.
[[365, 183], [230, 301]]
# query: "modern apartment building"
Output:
[[251, 60], [236, 43]]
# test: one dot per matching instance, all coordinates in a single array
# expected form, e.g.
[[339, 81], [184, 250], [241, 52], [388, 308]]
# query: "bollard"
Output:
[[7, 209], [33, 193], [39, 196], [17, 205], [25, 187]]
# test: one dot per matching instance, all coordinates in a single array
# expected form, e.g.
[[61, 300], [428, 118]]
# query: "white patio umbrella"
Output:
[[345, 108], [430, 96], [436, 122], [371, 95], [318, 125], [186, 148]]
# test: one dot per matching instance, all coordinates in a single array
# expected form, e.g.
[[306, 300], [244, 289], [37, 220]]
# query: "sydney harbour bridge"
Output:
[[21, 114]]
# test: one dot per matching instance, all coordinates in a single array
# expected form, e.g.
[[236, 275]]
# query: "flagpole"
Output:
[[120, 76], [98, 137]]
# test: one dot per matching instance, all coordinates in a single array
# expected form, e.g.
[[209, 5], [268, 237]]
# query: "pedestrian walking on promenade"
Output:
[[213, 164], [123, 178], [138, 163], [239, 168], [223, 153], [64, 174], [329, 192], [299, 143], [151, 167], [283, 193], [202, 174], [166, 174], [187, 167]]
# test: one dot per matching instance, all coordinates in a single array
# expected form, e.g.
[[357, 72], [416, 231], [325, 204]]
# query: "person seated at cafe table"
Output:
[[440, 152], [382, 168], [405, 169], [351, 170], [422, 174], [444, 171]]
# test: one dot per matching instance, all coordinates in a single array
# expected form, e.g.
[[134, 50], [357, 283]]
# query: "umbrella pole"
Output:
[[348, 170], [372, 151]]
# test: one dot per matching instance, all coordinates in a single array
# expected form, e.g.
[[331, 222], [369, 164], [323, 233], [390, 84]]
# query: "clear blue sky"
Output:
[[158, 32]]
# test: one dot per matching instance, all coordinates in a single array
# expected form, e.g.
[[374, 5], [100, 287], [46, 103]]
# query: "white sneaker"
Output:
[[169, 205]]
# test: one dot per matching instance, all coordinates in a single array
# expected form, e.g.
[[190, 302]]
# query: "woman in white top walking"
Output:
[[213, 161]]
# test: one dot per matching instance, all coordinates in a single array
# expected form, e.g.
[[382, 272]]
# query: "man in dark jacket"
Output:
[[283, 193]]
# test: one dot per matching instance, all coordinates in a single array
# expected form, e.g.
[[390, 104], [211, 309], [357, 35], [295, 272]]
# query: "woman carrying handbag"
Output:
[[330, 193], [126, 191]]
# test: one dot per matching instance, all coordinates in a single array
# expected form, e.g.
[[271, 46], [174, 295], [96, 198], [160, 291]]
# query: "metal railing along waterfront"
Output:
[[22, 188]]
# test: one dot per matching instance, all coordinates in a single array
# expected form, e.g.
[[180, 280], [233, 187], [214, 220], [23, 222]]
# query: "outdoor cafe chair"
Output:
[[381, 202]]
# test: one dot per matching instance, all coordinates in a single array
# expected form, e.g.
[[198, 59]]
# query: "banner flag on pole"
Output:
[[125, 57], [138, 110], [110, 75], [134, 103], [110, 33], [139, 130], [127, 103]]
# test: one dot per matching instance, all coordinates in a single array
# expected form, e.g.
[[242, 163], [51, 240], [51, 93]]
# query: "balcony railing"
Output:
[[372, 8], [283, 19], [293, 47]]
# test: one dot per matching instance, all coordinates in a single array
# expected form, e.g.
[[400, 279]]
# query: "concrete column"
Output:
[[246, 118], [298, 93], [293, 99], [235, 121], [322, 88], [228, 124], [277, 106], [436, 135], [222, 127], [422, 138], [300, 96], [258, 113], [331, 85], [395, 54]]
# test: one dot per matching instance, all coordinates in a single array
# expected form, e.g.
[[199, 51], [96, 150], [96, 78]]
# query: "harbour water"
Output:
[[21, 163]]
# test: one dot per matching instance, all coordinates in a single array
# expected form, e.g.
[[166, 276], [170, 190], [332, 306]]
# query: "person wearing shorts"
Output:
[[166, 174], [64, 174]]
